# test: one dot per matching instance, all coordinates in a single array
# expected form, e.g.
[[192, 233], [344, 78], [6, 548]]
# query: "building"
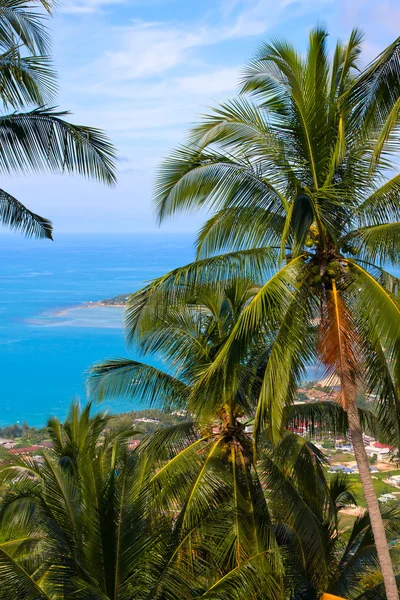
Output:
[[341, 469], [133, 444], [5, 441], [25, 451], [386, 498]]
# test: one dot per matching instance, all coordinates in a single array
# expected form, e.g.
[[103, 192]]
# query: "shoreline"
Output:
[[103, 303], [59, 312]]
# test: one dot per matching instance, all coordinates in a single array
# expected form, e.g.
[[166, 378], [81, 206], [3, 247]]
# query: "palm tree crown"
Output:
[[76, 521], [277, 503], [302, 183]]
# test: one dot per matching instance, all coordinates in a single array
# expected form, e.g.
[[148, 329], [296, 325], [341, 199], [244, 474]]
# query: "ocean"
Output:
[[48, 340], [48, 337]]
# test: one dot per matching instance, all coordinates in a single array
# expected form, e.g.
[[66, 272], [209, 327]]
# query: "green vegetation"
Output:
[[24, 434], [222, 501], [300, 173], [147, 420], [341, 457], [373, 459], [93, 519], [119, 300], [39, 139], [328, 444], [380, 486]]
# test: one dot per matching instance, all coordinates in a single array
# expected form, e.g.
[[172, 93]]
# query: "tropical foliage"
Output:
[[278, 502], [300, 174], [75, 520], [291, 270], [94, 520], [38, 139]]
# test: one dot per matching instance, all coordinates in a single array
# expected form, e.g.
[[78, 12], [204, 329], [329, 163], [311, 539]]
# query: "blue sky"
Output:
[[144, 70]]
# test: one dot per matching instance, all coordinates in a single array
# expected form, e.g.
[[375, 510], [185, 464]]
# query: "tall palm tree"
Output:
[[39, 139], [304, 188], [208, 468], [213, 470]]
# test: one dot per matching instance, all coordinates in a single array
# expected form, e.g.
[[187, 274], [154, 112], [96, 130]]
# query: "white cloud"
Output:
[[145, 49], [152, 80], [146, 81], [148, 49], [211, 82], [81, 7], [86, 6], [155, 76]]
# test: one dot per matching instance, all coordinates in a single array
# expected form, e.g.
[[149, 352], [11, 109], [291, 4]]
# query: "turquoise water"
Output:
[[48, 338], [46, 343]]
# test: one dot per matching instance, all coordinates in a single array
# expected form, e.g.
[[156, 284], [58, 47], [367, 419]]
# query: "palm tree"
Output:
[[81, 522], [187, 337], [75, 520], [213, 470], [208, 467], [351, 568], [39, 139], [305, 195], [22, 23], [67, 516]]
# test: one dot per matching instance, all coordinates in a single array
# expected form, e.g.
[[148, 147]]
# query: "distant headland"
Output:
[[119, 300]]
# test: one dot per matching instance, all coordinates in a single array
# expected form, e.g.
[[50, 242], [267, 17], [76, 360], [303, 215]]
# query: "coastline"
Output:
[[103, 303], [59, 312], [53, 351]]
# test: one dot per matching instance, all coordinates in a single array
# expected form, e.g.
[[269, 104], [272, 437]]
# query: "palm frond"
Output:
[[16, 582], [41, 140], [135, 380], [379, 307], [297, 526], [377, 592], [327, 419], [165, 445], [374, 94], [16, 216], [346, 63], [382, 206], [291, 350], [270, 74], [241, 229], [26, 23], [377, 243], [263, 311], [181, 285], [26, 79], [253, 578], [194, 178]]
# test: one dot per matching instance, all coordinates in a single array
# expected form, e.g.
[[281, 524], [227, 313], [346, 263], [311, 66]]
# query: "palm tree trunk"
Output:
[[377, 525]]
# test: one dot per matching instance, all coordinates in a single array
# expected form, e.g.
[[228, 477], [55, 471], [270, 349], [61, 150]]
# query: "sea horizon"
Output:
[[49, 337], [48, 341]]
